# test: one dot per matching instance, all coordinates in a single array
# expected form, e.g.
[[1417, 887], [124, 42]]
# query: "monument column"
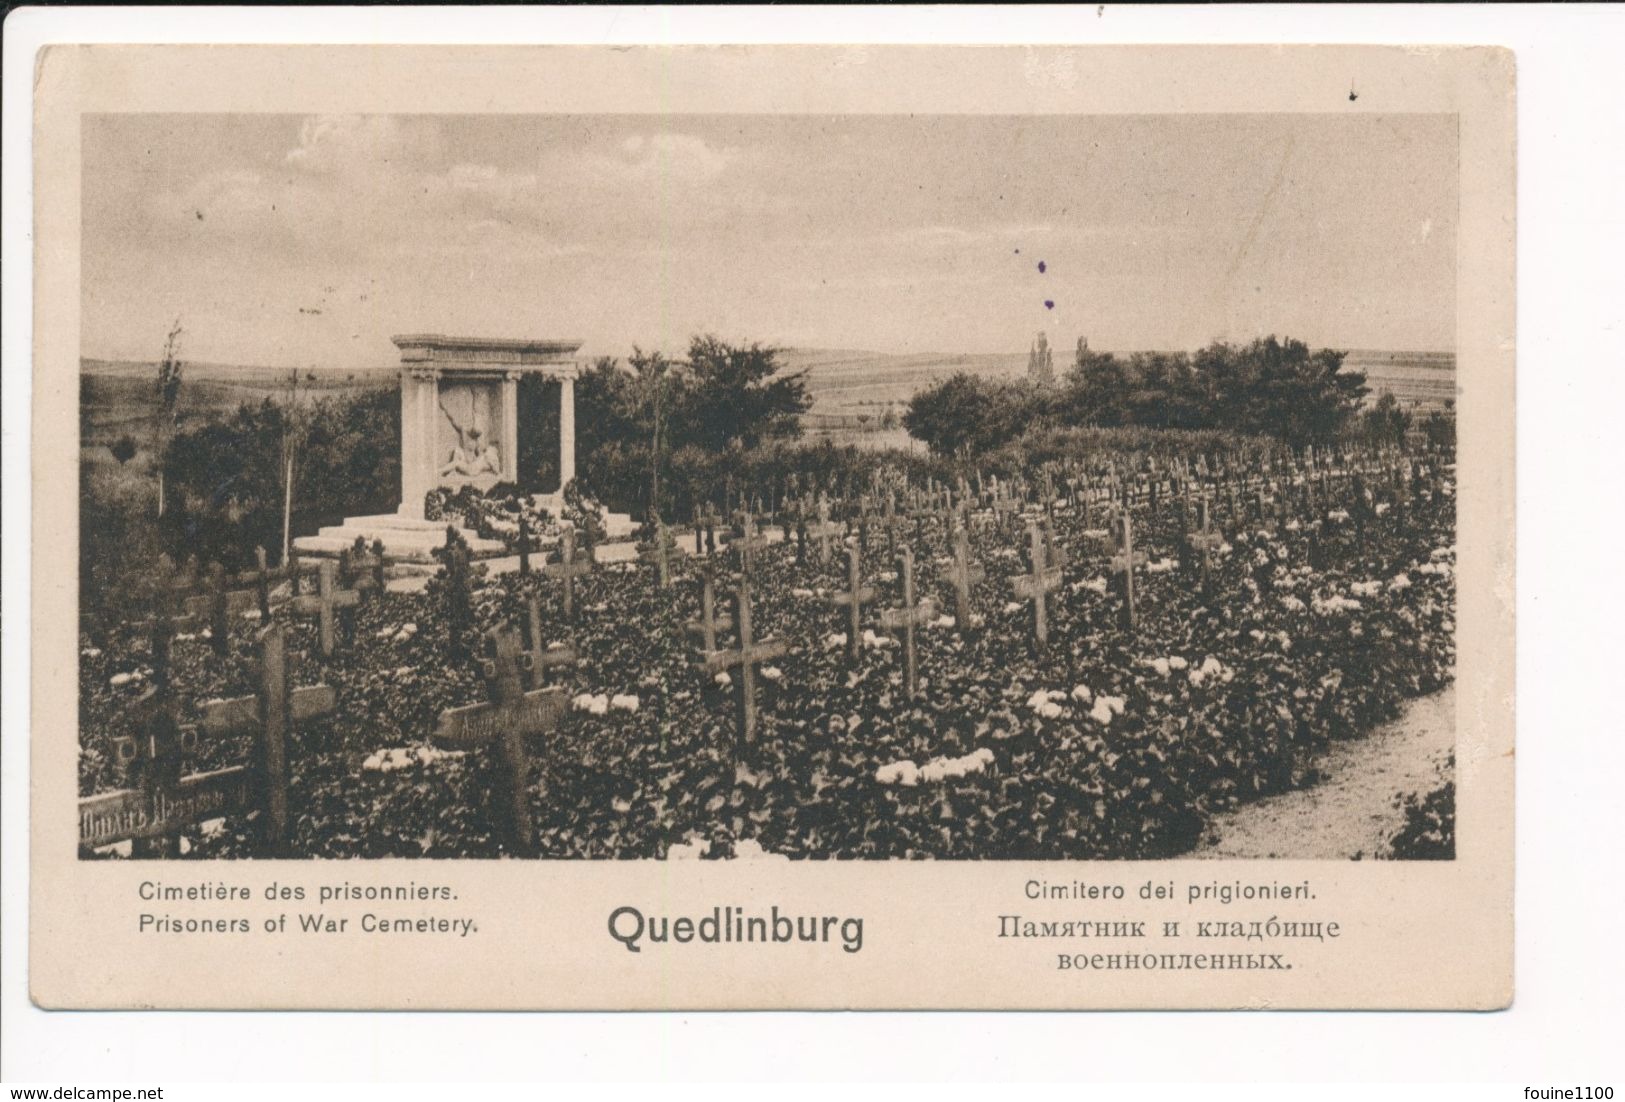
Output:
[[510, 426], [567, 431], [419, 390]]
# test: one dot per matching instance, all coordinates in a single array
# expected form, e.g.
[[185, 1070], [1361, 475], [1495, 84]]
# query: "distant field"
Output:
[[848, 383], [118, 397], [851, 389]]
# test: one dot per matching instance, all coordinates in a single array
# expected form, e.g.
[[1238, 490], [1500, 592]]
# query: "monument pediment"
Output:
[[484, 353]]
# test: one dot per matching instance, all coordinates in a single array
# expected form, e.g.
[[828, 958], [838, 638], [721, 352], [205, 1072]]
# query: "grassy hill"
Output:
[[848, 383]]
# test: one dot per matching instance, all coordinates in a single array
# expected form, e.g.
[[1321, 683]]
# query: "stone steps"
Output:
[[406, 545], [411, 541]]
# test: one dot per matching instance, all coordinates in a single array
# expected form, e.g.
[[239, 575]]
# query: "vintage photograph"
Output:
[[749, 486]]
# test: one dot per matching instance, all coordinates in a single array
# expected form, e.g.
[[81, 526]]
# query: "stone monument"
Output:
[[460, 410], [460, 427]]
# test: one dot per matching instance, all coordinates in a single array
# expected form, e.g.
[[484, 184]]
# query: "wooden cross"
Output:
[[965, 575], [909, 617], [750, 540], [328, 600], [1205, 541], [152, 759], [1004, 507], [270, 713], [361, 568], [504, 721], [711, 623], [568, 569], [746, 657], [1124, 562], [661, 553], [524, 545], [165, 802], [458, 615], [1044, 579], [1266, 522], [824, 530], [890, 521], [856, 595], [216, 605], [541, 657]]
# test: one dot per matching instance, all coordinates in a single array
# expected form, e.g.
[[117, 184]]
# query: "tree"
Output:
[[123, 449], [169, 392], [295, 425], [654, 375], [737, 392], [967, 413], [1440, 430], [1386, 422], [1278, 388], [1096, 390]]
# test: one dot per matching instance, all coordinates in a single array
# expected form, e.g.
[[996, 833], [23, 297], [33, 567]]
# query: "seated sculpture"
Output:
[[476, 460]]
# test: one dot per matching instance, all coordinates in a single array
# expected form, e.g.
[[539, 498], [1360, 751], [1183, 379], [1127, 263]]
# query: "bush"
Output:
[[225, 478], [1429, 833]]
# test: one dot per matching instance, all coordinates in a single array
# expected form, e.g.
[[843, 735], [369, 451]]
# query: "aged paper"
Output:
[[1250, 749]]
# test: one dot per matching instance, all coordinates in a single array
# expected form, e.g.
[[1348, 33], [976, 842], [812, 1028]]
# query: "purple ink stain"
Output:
[[1042, 267], [1049, 304]]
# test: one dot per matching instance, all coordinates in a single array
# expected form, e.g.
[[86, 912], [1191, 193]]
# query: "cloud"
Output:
[[658, 159], [345, 144]]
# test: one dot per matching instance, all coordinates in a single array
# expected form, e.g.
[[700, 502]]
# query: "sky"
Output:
[[279, 240]]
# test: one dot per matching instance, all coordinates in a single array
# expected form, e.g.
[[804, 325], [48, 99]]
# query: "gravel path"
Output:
[[1350, 813]]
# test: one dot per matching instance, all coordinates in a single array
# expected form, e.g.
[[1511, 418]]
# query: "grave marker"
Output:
[[568, 569], [1123, 564], [524, 545], [165, 802], [661, 552], [750, 540], [1204, 542], [504, 721], [325, 605], [909, 617], [745, 658], [824, 530], [541, 657], [711, 623], [964, 574], [855, 596], [1044, 579]]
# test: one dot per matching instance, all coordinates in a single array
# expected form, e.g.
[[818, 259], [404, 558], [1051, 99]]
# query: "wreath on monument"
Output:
[[495, 514]]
